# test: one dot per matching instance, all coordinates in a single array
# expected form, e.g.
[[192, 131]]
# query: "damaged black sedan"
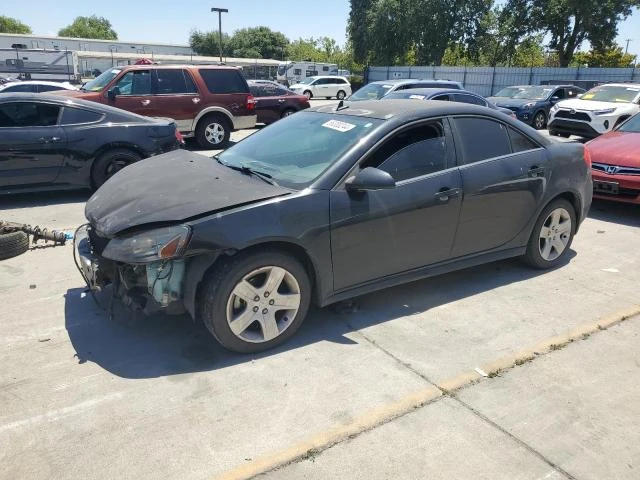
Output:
[[328, 204]]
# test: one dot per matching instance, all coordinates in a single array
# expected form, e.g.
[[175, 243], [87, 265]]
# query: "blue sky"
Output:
[[170, 21]]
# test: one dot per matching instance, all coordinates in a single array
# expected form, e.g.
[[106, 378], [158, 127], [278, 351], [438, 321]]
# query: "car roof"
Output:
[[159, 65], [401, 108], [327, 76], [39, 82], [411, 80], [433, 91], [636, 85]]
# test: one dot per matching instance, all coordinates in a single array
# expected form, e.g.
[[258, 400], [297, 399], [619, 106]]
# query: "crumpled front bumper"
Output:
[[88, 264]]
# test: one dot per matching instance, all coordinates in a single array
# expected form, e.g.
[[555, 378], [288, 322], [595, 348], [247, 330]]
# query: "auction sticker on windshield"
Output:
[[339, 126]]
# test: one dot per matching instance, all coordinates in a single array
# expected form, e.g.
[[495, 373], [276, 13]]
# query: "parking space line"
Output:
[[386, 413]]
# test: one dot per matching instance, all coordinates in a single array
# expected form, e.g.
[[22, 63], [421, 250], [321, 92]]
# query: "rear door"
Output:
[[267, 102], [174, 96], [380, 233], [32, 145], [135, 92], [504, 176]]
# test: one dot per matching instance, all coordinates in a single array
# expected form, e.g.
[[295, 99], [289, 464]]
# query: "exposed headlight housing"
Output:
[[149, 246], [605, 111]]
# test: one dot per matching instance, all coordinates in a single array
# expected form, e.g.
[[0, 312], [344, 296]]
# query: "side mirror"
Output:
[[555, 99], [113, 92], [370, 179]]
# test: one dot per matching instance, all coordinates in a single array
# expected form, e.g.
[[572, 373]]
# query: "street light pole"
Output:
[[220, 12], [627, 47]]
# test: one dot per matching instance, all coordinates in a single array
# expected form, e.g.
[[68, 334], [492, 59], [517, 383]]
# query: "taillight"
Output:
[[179, 137], [251, 102], [587, 157]]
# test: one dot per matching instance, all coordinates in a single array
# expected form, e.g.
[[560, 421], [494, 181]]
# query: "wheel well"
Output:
[[621, 119], [215, 114], [107, 148]]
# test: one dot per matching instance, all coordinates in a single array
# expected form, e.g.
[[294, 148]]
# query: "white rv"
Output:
[[290, 73], [38, 64]]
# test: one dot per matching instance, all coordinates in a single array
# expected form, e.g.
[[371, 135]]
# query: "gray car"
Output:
[[377, 90]]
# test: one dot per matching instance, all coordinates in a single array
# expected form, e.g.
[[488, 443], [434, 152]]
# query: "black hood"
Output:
[[170, 188], [512, 102]]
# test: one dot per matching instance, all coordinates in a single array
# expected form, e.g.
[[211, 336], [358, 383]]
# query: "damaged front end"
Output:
[[145, 269]]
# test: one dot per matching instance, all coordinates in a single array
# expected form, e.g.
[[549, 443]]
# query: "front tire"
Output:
[[213, 132], [255, 301], [539, 120], [308, 94], [552, 235], [110, 163]]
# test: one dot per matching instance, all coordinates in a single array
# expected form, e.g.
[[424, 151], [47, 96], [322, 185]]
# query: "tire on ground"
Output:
[[219, 283], [13, 244], [100, 171], [211, 120], [533, 256]]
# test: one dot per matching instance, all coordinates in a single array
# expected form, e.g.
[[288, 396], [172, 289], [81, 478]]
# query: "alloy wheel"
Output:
[[555, 234], [263, 304], [538, 121], [115, 166], [214, 133]]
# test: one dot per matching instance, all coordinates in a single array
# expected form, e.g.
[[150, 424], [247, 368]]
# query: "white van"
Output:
[[323, 87]]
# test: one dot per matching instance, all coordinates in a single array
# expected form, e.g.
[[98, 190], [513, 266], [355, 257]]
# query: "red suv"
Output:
[[207, 102]]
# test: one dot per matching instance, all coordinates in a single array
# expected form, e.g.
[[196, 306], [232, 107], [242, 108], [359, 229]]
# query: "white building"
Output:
[[11, 40]]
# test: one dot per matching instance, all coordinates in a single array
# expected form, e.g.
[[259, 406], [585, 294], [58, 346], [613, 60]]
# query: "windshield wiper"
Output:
[[265, 177]]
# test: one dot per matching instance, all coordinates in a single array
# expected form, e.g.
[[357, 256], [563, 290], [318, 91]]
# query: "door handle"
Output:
[[49, 139], [535, 172], [282, 100], [56, 139], [445, 193], [145, 102]]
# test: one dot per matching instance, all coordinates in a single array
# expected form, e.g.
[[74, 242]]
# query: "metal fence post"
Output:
[[578, 73], [530, 75], [464, 77], [388, 72], [493, 77]]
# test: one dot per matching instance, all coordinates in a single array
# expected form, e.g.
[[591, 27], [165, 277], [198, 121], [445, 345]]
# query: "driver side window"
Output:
[[137, 82], [412, 153]]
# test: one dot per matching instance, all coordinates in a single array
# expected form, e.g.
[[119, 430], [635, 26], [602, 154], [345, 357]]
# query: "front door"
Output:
[[134, 92], [379, 233], [175, 96], [504, 175], [32, 145]]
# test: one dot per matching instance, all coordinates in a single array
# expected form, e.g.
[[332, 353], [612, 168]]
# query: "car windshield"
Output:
[[295, 151], [632, 125], [508, 92], [307, 81], [534, 93], [101, 81], [373, 91], [612, 93]]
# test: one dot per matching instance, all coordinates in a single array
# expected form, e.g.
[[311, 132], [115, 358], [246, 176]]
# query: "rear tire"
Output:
[[110, 163], [259, 324], [288, 112], [552, 235], [213, 132], [13, 244], [341, 95]]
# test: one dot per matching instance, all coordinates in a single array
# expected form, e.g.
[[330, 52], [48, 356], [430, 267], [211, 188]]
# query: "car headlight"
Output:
[[527, 106], [149, 246], [555, 108], [605, 111]]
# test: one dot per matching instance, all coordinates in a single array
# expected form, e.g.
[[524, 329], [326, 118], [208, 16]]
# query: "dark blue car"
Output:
[[532, 104]]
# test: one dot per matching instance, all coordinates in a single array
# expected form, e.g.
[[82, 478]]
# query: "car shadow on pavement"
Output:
[[161, 345], [43, 199], [614, 212]]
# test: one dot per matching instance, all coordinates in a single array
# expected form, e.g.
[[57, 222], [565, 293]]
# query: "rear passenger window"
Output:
[[412, 153], [174, 81], [520, 143], [20, 88], [297, 71], [223, 81], [72, 116], [472, 99], [48, 88], [482, 139]]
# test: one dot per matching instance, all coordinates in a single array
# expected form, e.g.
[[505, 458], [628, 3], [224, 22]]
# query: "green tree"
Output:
[[612, 56], [12, 25], [89, 27], [569, 23], [358, 29], [258, 42], [208, 43], [305, 49]]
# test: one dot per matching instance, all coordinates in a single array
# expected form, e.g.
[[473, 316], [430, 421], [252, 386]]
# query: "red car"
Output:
[[615, 158], [274, 101]]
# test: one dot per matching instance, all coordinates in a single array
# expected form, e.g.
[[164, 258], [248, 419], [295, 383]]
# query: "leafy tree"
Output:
[[89, 27], [389, 35], [305, 49], [12, 25], [569, 23], [609, 57], [358, 29], [258, 42], [208, 43]]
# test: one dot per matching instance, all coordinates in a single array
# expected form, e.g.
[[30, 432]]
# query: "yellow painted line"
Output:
[[328, 438], [390, 411]]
